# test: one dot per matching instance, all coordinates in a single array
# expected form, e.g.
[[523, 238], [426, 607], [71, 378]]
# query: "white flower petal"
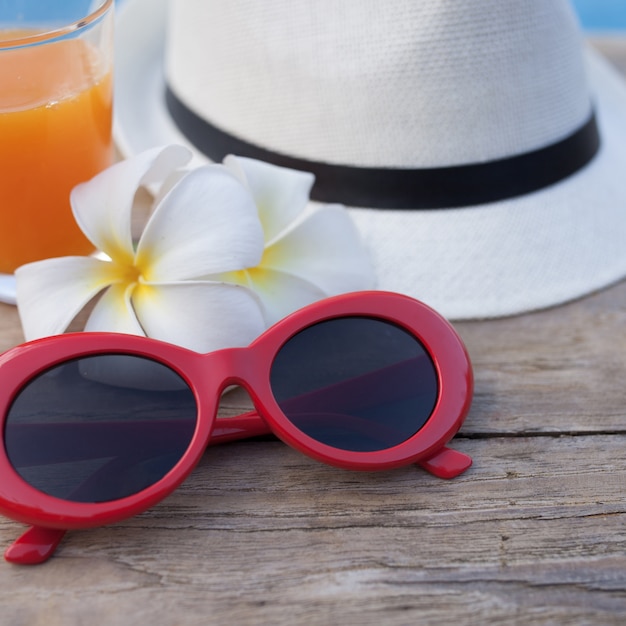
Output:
[[207, 223], [102, 206], [281, 293], [167, 184], [50, 293], [114, 312], [199, 315], [324, 249], [280, 194]]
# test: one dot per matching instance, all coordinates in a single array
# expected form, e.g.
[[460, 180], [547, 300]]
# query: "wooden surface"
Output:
[[533, 533]]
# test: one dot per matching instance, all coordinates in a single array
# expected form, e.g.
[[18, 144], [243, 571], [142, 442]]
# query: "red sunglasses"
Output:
[[98, 427]]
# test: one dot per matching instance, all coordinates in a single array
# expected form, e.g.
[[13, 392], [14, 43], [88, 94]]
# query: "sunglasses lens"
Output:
[[355, 383], [100, 428]]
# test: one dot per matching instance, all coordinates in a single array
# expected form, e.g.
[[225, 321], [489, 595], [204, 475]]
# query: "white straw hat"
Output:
[[480, 148]]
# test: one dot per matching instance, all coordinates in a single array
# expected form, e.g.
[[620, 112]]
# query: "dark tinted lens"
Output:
[[355, 383], [100, 428]]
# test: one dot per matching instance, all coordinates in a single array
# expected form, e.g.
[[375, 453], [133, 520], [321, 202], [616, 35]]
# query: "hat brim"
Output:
[[503, 258]]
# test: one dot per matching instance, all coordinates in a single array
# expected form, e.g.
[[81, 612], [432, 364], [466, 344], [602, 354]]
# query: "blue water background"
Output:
[[601, 15], [61, 11]]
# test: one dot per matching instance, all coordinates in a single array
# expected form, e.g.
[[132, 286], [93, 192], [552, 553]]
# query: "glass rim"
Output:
[[62, 31]]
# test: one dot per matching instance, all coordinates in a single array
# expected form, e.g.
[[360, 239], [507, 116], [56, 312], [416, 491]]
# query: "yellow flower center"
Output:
[[132, 274], [122, 274]]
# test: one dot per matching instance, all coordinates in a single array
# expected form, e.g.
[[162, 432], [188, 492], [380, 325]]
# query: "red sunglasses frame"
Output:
[[248, 367]]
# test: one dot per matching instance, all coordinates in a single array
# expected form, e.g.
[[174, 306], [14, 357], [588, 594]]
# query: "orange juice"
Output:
[[55, 131]]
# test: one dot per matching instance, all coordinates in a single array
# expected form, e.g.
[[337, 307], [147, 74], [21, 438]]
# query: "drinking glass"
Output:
[[56, 96]]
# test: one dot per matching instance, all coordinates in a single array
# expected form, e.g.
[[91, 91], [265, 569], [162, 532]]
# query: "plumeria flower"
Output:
[[227, 251], [310, 252], [206, 223]]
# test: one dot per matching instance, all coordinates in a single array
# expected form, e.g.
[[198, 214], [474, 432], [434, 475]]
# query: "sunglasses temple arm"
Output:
[[35, 546], [446, 463], [244, 426]]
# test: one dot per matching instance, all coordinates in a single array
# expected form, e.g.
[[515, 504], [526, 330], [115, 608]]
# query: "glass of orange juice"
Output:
[[56, 98]]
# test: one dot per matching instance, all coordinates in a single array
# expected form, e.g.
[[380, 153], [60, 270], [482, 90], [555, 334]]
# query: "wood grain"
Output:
[[533, 533], [260, 534]]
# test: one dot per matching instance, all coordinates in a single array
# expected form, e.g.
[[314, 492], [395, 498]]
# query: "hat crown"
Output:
[[394, 84]]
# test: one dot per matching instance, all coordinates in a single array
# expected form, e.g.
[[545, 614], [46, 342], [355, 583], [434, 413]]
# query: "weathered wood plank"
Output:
[[560, 370], [612, 47], [10, 329], [260, 534]]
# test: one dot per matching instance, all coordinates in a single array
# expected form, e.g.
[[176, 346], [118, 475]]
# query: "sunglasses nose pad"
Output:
[[35, 546]]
